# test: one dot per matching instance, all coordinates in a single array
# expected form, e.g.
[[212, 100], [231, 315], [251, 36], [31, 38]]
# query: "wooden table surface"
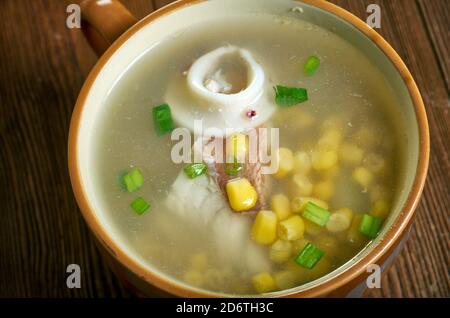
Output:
[[42, 67]]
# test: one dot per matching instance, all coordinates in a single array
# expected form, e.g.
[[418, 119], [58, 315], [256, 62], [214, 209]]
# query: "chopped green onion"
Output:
[[309, 256], [133, 180], [139, 205], [195, 169], [162, 119], [311, 65], [316, 214], [233, 169], [290, 96], [370, 225]]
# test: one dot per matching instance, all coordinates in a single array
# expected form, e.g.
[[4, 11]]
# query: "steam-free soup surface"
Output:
[[347, 113]]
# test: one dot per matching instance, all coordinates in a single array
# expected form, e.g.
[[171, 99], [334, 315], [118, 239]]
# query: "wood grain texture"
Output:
[[436, 13], [42, 67]]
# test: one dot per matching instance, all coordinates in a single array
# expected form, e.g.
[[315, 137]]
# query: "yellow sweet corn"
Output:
[[298, 204], [264, 229], [285, 279], [199, 261], [324, 159], [324, 190], [380, 209], [350, 154], [263, 283], [285, 159], [291, 229], [236, 147], [302, 162], [340, 220], [301, 186], [242, 196], [362, 176], [280, 205], [280, 251], [330, 140]]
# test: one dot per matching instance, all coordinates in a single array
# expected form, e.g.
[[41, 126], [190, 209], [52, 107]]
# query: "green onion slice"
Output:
[[133, 180], [316, 214], [139, 205], [233, 169], [311, 65], [289, 96], [370, 225], [309, 256], [162, 119], [195, 169]]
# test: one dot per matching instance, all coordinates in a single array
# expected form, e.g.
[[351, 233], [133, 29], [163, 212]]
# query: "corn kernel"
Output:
[[264, 229], [340, 220], [285, 159], [354, 236], [193, 277], [350, 154], [199, 261], [301, 185], [298, 204], [362, 176], [241, 194], [279, 203], [324, 190], [263, 283], [285, 279], [302, 162], [291, 229], [236, 147], [324, 159], [380, 209], [330, 140], [280, 251]]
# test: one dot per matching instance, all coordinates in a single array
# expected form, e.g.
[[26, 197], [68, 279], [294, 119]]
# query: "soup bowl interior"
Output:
[[172, 20]]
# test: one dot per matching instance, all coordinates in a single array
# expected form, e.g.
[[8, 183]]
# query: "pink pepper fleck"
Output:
[[251, 113]]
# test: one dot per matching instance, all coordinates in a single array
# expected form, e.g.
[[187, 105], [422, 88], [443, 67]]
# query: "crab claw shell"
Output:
[[192, 99]]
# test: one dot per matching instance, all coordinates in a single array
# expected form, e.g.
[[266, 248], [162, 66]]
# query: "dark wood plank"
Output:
[[436, 13], [42, 68], [422, 268]]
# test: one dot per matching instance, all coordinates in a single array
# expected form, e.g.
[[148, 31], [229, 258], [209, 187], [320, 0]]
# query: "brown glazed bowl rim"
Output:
[[319, 289]]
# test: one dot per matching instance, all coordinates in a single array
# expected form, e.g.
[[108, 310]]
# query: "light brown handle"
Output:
[[103, 21]]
